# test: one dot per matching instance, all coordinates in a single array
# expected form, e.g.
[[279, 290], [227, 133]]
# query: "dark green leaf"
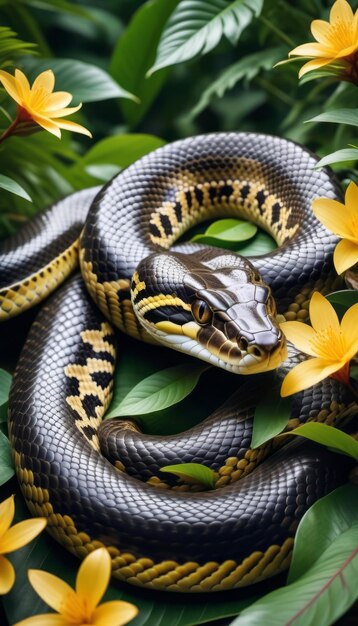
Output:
[[353, 373], [11, 185], [120, 150], [192, 472], [86, 83], [135, 53], [322, 593], [197, 26], [5, 383], [271, 415], [339, 511], [341, 156], [6, 466], [345, 298], [262, 243], [160, 390], [339, 116], [61, 6], [333, 438]]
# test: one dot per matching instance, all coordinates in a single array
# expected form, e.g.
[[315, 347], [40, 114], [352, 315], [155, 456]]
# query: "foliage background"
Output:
[[233, 87]]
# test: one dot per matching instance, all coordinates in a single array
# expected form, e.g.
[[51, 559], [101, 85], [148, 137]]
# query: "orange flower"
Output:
[[39, 104], [337, 42]]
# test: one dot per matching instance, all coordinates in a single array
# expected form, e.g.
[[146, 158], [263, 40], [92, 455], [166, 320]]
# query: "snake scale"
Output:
[[206, 302]]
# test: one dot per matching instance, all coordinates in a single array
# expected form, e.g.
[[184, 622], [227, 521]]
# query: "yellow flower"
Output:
[[342, 220], [39, 104], [14, 538], [80, 607], [337, 41], [333, 345]]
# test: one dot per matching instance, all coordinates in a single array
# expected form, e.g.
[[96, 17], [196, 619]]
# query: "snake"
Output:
[[99, 482]]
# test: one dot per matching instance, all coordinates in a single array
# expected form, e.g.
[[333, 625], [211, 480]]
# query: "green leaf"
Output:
[[197, 26], [271, 414], [339, 510], [226, 231], [334, 439], [343, 300], [326, 590], [262, 243], [5, 383], [160, 390], [86, 83], [341, 156], [339, 116], [155, 609], [11, 185], [135, 53], [353, 373], [192, 472], [11, 47], [248, 68], [61, 6], [120, 150], [6, 466]]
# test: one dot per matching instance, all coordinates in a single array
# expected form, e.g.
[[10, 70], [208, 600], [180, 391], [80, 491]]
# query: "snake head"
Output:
[[218, 310]]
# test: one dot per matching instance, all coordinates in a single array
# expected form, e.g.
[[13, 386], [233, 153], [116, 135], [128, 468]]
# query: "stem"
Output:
[[277, 31], [275, 91], [10, 129]]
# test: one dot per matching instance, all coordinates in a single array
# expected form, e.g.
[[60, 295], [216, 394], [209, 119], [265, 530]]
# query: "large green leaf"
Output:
[[329, 436], [193, 473], [120, 150], [339, 116], [11, 185], [340, 156], [342, 300], [5, 383], [246, 68], [155, 608], [160, 390], [324, 591], [59, 5], [135, 53], [223, 233], [6, 466], [262, 243], [197, 26], [87, 83], [271, 414]]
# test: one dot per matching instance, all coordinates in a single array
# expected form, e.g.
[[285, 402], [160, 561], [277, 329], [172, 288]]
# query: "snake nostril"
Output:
[[255, 350], [243, 344]]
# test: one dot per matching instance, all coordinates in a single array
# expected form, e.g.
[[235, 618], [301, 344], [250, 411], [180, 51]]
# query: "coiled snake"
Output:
[[207, 302]]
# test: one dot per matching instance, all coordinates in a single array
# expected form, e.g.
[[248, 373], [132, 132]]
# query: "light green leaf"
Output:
[[11, 185], [322, 593], [120, 150], [341, 156], [339, 116], [160, 390], [135, 53], [339, 511], [102, 172], [197, 26], [262, 243], [329, 436], [5, 383], [155, 609], [247, 68], [6, 466], [86, 83], [271, 414], [227, 231], [192, 473]]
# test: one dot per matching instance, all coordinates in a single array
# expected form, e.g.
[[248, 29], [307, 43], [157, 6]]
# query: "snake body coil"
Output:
[[206, 302]]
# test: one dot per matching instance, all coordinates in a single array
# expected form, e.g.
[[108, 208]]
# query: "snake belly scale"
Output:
[[206, 302]]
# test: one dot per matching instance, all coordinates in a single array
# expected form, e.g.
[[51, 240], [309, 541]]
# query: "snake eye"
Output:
[[202, 312]]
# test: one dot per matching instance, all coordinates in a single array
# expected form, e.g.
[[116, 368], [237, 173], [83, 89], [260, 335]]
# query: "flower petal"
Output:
[[341, 11], [64, 112], [93, 578], [322, 314], [345, 255], [334, 216], [44, 82], [23, 85], [10, 85], [114, 613], [46, 619], [7, 512], [349, 328], [310, 50], [307, 374], [300, 335], [20, 534], [51, 589], [315, 64], [351, 198], [57, 100], [46, 123], [321, 31], [7, 575], [76, 128]]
